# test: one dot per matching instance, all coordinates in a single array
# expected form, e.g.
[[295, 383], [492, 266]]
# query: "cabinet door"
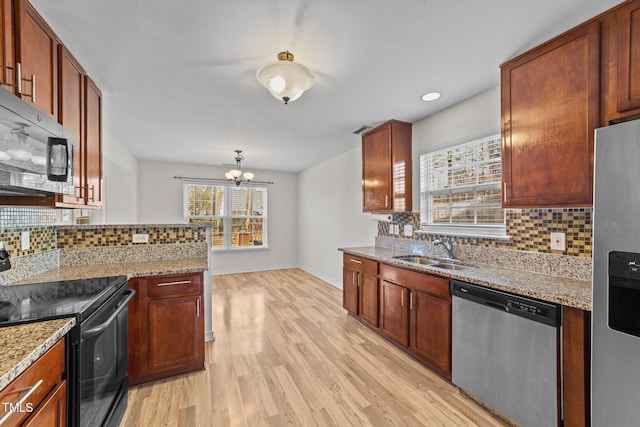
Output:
[[376, 169], [431, 330], [72, 118], [350, 290], [628, 60], [7, 46], [37, 51], [138, 330], [550, 109], [369, 295], [176, 333], [394, 314], [53, 411], [93, 143]]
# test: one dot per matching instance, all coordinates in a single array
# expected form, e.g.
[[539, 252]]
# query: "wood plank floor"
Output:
[[286, 354]]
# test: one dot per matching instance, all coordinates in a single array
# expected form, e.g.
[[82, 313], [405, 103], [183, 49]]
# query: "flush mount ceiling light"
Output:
[[236, 176], [285, 79], [431, 96]]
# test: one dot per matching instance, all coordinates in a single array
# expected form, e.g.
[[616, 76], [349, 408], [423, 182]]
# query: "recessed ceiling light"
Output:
[[431, 96]]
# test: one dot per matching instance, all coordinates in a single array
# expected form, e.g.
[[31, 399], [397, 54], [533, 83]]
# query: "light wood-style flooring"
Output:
[[286, 354]]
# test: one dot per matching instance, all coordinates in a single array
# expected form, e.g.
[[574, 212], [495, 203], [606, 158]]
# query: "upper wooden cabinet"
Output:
[[628, 35], [37, 54], [550, 109], [93, 143], [386, 168], [7, 46]]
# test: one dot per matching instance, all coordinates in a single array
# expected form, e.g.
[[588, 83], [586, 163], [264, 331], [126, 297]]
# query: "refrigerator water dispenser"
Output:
[[624, 292]]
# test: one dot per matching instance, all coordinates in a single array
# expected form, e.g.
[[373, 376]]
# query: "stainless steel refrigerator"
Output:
[[615, 331]]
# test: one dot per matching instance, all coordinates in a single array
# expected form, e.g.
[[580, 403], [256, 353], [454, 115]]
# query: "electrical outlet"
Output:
[[558, 242], [408, 230], [26, 240], [140, 238], [396, 229]]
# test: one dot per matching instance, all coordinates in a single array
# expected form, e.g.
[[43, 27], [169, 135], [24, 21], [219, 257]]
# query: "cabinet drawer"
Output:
[[39, 379], [178, 284], [363, 265], [433, 285]]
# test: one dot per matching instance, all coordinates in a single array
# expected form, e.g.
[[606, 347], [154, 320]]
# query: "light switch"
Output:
[[558, 242], [26, 240]]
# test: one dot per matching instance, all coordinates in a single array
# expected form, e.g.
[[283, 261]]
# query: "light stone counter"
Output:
[[566, 291], [21, 345], [129, 269]]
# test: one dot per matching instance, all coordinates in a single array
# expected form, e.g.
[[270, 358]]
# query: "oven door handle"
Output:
[[101, 327]]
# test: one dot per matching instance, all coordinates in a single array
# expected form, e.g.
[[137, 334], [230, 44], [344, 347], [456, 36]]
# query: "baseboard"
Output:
[[324, 279], [209, 337]]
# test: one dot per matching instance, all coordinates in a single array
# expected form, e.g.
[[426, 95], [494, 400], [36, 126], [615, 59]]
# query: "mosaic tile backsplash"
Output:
[[114, 235], [529, 230], [41, 239]]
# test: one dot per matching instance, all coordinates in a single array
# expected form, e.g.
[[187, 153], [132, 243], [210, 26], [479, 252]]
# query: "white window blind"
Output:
[[460, 189], [238, 215]]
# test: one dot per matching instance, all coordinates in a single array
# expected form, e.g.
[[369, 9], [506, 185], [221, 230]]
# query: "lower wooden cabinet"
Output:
[[430, 321], [360, 288], [44, 390], [576, 364], [394, 312], [166, 326]]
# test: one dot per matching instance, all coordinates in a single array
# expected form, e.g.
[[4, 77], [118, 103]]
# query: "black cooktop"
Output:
[[51, 300]]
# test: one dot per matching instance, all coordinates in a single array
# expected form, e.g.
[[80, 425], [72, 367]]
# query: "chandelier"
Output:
[[236, 176], [285, 79]]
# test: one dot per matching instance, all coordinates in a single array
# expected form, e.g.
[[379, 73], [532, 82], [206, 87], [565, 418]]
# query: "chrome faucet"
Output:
[[451, 250]]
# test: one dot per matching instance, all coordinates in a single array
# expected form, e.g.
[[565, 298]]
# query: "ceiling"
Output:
[[179, 82]]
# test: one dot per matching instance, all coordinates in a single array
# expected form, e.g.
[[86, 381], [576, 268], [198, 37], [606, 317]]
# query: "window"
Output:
[[238, 215], [460, 189]]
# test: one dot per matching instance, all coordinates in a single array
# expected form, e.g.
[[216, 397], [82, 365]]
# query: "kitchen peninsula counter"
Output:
[[23, 344], [129, 269], [566, 291]]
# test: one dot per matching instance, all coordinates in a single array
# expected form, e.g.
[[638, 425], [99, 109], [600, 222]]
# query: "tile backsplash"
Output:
[[121, 235], [528, 229]]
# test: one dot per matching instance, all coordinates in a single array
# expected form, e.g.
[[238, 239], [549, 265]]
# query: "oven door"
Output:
[[103, 360]]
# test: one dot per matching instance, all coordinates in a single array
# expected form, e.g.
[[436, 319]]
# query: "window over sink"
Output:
[[238, 214], [460, 189]]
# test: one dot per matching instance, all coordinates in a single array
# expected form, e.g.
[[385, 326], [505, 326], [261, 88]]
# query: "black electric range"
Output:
[[96, 346]]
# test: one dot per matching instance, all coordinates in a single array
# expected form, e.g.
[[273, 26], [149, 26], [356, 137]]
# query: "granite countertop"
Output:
[[24, 344], [570, 292], [129, 269]]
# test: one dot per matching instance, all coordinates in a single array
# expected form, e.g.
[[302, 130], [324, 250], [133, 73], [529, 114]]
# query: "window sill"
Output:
[[481, 232], [244, 249]]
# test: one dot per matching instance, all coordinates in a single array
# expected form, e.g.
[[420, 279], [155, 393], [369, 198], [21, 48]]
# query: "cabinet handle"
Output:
[[504, 192], [402, 300], [182, 282], [93, 193], [386, 201], [198, 307], [19, 78], [33, 88], [358, 279], [411, 301], [353, 277], [356, 261], [21, 401]]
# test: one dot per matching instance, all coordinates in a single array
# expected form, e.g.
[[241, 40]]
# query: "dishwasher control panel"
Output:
[[529, 308]]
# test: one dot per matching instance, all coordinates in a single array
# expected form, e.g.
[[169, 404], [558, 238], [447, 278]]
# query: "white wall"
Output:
[[160, 202], [330, 215], [472, 118]]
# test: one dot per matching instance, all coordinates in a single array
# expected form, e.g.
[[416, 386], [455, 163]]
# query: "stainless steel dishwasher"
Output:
[[505, 353]]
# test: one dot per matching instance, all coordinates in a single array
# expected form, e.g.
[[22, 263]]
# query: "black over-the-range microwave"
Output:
[[36, 152]]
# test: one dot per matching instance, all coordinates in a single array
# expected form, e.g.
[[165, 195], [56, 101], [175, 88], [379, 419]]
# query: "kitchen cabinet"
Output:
[[36, 51], [47, 404], [576, 366], [549, 111], [93, 143], [386, 168], [166, 326], [416, 314], [360, 288], [7, 46], [628, 57]]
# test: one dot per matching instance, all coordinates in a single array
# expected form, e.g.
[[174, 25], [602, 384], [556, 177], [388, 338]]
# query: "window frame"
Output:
[[227, 217], [481, 230]]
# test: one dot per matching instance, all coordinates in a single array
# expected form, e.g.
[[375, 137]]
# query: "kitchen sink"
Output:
[[423, 260], [417, 259]]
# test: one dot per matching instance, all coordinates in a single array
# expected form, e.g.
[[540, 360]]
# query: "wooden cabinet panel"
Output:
[[576, 363], [386, 168], [176, 332], [37, 51], [350, 291], [360, 264], [53, 411], [628, 56], [166, 327], [369, 295], [431, 330], [7, 46], [72, 117], [394, 312], [550, 109], [93, 143]]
